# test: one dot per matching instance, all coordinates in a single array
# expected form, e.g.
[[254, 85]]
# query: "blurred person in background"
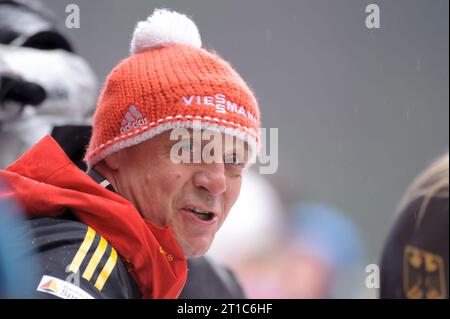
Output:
[[321, 255], [310, 251], [18, 267], [415, 257], [44, 85]]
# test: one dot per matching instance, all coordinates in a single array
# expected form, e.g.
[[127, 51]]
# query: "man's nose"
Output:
[[211, 177]]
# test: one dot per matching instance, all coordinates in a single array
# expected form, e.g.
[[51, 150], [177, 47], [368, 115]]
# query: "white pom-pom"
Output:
[[163, 28]]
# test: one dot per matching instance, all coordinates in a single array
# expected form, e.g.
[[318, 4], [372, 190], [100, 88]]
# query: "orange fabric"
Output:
[[47, 183], [155, 82]]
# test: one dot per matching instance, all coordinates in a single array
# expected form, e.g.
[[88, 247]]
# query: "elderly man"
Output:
[[124, 228]]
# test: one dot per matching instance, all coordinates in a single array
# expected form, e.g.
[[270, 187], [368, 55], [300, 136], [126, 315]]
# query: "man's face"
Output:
[[192, 198]]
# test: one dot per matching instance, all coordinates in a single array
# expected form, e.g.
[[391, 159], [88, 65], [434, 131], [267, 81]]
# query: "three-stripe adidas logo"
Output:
[[95, 260], [132, 119]]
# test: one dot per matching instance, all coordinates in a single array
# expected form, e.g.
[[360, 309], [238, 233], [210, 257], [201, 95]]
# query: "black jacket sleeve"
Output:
[[77, 262], [208, 280]]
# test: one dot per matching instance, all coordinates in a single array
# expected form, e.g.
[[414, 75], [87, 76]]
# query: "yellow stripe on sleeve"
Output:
[[107, 269], [95, 259], [82, 251]]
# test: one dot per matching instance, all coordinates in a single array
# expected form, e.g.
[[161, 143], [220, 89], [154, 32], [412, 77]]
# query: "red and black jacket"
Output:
[[49, 185]]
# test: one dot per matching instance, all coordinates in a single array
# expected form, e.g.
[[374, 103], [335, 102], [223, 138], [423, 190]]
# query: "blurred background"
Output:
[[359, 111]]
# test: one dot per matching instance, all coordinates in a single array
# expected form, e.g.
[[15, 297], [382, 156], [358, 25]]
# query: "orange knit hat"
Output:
[[168, 82]]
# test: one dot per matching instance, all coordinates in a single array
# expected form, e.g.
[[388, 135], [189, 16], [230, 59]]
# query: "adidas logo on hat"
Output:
[[132, 119]]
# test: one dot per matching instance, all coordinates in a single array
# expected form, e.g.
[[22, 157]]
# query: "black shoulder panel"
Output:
[[77, 262]]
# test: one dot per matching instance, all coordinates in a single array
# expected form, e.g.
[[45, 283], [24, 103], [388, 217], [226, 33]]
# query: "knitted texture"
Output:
[[167, 87]]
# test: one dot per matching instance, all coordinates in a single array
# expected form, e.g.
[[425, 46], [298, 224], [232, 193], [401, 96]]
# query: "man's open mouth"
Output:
[[201, 214]]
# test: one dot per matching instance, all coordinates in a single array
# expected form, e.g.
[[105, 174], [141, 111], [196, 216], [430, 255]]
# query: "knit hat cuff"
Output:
[[140, 136]]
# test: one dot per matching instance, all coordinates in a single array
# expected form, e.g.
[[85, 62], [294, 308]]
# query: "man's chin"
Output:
[[196, 251]]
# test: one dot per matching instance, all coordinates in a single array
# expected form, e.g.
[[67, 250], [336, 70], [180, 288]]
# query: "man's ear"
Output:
[[113, 161]]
